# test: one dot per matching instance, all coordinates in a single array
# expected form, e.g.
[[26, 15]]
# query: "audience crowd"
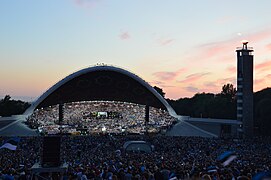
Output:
[[100, 116], [103, 157], [100, 154]]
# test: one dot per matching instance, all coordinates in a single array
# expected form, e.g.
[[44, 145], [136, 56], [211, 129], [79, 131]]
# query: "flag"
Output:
[[11, 144], [227, 157], [211, 169]]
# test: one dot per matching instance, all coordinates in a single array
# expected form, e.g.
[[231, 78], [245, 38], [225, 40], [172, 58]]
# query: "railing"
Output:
[[247, 48]]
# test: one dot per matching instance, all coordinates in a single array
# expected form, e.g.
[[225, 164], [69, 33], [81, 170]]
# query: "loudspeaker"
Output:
[[147, 113], [51, 151]]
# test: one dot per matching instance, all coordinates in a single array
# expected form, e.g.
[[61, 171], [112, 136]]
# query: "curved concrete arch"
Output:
[[100, 68]]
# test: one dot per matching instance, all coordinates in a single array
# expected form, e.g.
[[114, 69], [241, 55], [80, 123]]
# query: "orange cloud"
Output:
[[168, 75]]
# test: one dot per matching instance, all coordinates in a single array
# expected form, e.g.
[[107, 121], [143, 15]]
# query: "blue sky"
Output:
[[184, 47]]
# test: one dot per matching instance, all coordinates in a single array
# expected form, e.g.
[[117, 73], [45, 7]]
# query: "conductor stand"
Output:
[[50, 166], [40, 172]]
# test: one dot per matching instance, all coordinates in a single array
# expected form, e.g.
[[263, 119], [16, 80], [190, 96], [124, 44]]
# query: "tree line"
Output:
[[223, 106], [262, 111], [208, 105], [202, 105], [10, 107]]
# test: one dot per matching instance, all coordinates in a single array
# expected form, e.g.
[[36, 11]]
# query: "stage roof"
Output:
[[105, 83]]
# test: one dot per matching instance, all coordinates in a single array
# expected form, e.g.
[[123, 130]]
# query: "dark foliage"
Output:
[[160, 91], [205, 105], [208, 105], [10, 107], [223, 106], [262, 111]]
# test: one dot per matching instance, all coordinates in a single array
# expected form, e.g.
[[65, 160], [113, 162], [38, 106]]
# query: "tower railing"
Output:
[[242, 48]]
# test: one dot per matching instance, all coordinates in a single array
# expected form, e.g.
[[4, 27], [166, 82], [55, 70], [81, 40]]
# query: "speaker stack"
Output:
[[51, 151], [60, 113]]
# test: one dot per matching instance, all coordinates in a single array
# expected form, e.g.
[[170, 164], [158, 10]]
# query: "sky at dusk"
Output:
[[184, 47]]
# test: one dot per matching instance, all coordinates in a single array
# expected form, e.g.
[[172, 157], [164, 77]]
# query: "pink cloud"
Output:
[[167, 86], [231, 80], [216, 86], [268, 76], [211, 84], [160, 84], [202, 89], [214, 50], [258, 81], [225, 19], [268, 46], [264, 66], [191, 89], [164, 42], [220, 49], [220, 82], [259, 36], [86, 3], [168, 75], [231, 69], [156, 83], [193, 77], [124, 35], [176, 93], [261, 83]]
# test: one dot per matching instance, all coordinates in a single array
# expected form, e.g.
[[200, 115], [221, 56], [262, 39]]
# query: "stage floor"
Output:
[[15, 126]]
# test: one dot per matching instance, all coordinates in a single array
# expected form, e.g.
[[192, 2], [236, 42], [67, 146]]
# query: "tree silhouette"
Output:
[[10, 107], [228, 91], [6, 98], [208, 105], [262, 113], [160, 91]]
